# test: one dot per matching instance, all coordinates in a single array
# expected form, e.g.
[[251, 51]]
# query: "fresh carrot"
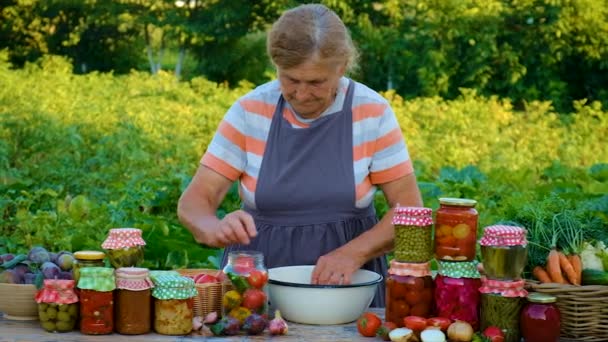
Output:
[[567, 268], [577, 264], [554, 268], [541, 274]]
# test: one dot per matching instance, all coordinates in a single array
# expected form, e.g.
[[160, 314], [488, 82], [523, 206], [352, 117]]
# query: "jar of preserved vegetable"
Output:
[[504, 252], [501, 304], [57, 305], [133, 301], [456, 229], [173, 303], [409, 291], [540, 318], [86, 259], [96, 286], [413, 234], [457, 294], [125, 247], [249, 277]]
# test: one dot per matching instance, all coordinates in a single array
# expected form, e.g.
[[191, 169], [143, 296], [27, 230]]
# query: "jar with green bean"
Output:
[[413, 234], [501, 305]]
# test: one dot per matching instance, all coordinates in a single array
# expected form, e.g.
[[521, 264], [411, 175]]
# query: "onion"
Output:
[[460, 331], [401, 335], [432, 335]]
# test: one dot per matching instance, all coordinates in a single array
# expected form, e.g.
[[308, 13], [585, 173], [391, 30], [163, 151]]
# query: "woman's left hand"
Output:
[[336, 267]]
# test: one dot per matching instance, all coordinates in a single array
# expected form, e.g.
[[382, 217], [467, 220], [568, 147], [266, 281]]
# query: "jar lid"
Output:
[[500, 235], [89, 255], [133, 278], [537, 297], [123, 237], [461, 202], [58, 291], [97, 278], [465, 269], [503, 288], [410, 269], [168, 286], [412, 216]]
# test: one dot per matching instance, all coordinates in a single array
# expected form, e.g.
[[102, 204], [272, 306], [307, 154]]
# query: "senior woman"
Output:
[[309, 150]]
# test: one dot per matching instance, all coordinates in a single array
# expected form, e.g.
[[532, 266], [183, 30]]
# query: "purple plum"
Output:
[[9, 277], [39, 255], [29, 278], [53, 257], [65, 261], [21, 270], [67, 275], [6, 257], [50, 270]]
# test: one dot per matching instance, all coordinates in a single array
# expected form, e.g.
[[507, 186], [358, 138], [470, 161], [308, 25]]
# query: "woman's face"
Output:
[[311, 87]]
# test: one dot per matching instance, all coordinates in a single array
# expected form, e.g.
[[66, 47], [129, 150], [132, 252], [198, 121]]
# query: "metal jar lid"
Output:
[[536, 297], [460, 202]]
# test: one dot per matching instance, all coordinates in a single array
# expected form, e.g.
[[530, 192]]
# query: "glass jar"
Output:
[[86, 259], [409, 291], [504, 252], [249, 277], [501, 304], [173, 303], [456, 229], [125, 247], [413, 234], [457, 294], [57, 305], [540, 319], [133, 301], [96, 286]]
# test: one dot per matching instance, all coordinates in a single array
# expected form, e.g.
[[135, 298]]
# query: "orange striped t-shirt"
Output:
[[380, 153]]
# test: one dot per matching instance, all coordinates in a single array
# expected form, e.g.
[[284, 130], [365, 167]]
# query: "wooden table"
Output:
[[31, 331]]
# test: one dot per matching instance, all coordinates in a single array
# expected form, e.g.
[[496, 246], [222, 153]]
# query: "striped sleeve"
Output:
[[390, 156], [226, 153]]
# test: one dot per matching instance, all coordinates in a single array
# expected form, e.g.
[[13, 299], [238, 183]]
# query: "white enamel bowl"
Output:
[[290, 291]]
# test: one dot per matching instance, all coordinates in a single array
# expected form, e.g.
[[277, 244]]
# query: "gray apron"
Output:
[[305, 193]]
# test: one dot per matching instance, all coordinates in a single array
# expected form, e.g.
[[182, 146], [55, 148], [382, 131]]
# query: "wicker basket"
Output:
[[209, 298], [583, 309]]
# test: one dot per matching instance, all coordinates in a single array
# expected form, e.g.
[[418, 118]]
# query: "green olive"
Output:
[[73, 310], [51, 313], [48, 326], [63, 307], [43, 316], [43, 306], [65, 326], [63, 316]]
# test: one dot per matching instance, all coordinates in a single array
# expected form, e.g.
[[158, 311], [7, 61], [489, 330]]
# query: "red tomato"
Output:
[[244, 265], [368, 324], [257, 279], [416, 323], [441, 322], [384, 329], [494, 334], [253, 299], [205, 278]]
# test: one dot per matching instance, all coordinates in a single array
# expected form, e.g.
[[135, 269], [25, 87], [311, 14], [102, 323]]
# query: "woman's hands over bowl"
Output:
[[336, 267]]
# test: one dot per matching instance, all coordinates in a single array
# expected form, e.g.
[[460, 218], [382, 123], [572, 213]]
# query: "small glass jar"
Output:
[[86, 259], [409, 291], [457, 294], [504, 252], [96, 286], [501, 305], [249, 277], [133, 301], [57, 305], [456, 229], [125, 247], [540, 319], [413, 234], [173, 303]]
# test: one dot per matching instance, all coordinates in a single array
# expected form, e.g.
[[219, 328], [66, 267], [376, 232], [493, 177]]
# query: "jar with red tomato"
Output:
[[173, 297], [456, 229], [540, 318], [457, 294], [409, 291], [96, 286], [249, 277]]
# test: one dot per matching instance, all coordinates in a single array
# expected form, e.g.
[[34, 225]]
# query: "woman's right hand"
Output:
[[236, 227]]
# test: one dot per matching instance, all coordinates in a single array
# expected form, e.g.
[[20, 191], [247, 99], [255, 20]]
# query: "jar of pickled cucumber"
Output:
[[133, 301], [456, 229], [504, 252], [501, 305], [96, 286], [173, 303], [57, 305], [86, 259], [125, 247], [413, 234], [457, 294], [409, 291]]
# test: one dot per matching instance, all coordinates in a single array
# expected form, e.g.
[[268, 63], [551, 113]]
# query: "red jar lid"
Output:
[[410, 269], [412, 216], [133, 278], [123, 237], [58, 291], [500, 235], [503, 288]]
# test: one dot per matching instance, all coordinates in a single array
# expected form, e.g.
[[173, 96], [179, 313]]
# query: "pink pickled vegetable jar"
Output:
[[457, 294]]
